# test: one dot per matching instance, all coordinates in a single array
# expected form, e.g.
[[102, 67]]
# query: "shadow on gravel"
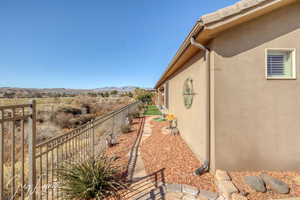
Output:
[[150, 187]]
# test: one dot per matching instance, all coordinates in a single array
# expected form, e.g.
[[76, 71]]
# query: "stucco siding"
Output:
[[192, 123], [256, 120]]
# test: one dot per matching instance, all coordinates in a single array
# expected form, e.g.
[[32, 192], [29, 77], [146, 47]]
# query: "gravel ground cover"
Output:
[[122, 149], [287, 177], [165, 151]]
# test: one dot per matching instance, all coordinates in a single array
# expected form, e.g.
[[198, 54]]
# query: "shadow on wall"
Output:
[[259, 31]]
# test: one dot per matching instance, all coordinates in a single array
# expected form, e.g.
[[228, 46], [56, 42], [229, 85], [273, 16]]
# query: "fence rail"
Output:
[[33, 174]]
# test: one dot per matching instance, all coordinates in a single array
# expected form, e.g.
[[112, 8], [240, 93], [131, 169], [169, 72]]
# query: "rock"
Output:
[[222, 176], [189, 197], [236, 196], [208, 195], [244, 193], [295, 198], [174, 187], [173, 196], [256, 183], [190, 190], [297, 180], [227, 188], [276, 184]]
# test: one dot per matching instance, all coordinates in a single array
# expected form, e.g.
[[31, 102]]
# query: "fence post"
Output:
[[31, 146], [2, 156]]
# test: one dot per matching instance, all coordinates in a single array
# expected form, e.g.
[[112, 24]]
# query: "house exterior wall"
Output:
[[256, 120], [159, 98], [192, 123]]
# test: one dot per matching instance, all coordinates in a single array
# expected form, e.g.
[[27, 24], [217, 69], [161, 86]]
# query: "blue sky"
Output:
[[94, 43]]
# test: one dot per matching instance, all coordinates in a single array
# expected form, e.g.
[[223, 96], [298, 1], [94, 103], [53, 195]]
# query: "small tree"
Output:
[[143, 95], [130, 94], [92, 94], [114, 92], [106, 94]]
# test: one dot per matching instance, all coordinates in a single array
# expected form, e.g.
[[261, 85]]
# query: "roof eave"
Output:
[[205, 30], [195, 31]]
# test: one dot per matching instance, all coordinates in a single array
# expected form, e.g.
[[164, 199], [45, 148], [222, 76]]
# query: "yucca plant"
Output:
[[91, 179]]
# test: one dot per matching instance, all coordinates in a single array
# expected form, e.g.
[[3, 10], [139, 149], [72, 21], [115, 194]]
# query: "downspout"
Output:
[[206, 164]]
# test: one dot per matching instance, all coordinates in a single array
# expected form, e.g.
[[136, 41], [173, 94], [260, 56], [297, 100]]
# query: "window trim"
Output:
[[294, 64]]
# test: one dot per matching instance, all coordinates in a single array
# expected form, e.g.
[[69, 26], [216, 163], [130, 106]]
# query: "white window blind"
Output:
[[276, 65]]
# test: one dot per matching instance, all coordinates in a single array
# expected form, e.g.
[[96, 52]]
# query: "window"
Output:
[[281, 64]]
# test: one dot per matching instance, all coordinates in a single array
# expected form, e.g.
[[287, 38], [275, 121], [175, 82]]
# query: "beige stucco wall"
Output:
[[256, 120], [192, 123]]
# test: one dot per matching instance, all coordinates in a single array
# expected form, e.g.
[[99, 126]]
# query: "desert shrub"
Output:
[[46, 131], [67, 116], [144, 95], [77, 121], [94, 178], [69, 110], [125, 128], [62, 120]]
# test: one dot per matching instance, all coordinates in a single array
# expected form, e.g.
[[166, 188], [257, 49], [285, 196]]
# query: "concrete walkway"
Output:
[[139, 170]]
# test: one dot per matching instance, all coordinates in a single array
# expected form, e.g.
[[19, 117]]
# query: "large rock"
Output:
[[276, 184], [256, 183]]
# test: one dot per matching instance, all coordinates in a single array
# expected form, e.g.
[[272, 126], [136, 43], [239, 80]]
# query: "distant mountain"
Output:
[[119, 89], [44, 92]]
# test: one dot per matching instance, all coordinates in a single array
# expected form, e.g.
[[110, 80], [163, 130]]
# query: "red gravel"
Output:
[[122, 149], [287, 177], [161, 151]]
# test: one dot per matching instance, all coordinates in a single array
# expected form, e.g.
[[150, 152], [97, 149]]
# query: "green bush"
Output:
[[144, 96], [91, 179]]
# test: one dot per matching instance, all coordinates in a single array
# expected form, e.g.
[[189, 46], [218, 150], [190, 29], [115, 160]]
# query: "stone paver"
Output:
[[174, 187], [297, 180], [189, 197], [222, 176], [208, 195], [227, 188], [190, 190], [173, 196], [236, 196]]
